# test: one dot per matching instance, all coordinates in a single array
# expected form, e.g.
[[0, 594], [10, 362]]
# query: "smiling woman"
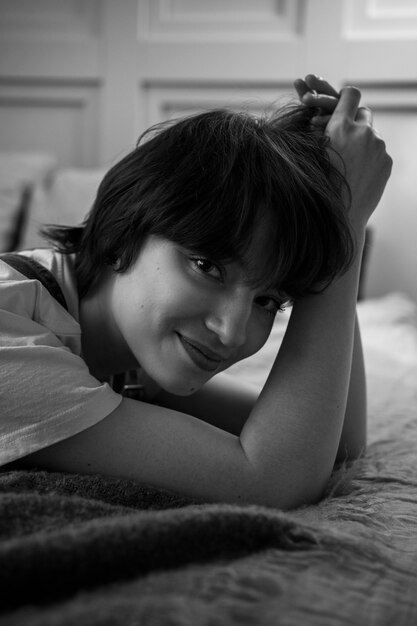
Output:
[[195, 240]]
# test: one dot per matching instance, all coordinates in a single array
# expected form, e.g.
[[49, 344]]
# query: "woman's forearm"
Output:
[[353, 438], [293, 433]]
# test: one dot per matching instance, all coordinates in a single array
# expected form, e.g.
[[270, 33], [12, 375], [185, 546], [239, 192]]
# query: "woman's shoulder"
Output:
[[61, 267], [28, 308]]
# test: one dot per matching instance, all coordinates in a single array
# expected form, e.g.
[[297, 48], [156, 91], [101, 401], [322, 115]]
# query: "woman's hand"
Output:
[[317, 93], [363, 158]]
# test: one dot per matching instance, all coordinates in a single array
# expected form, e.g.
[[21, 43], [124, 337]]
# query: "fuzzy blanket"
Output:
[[92, 551]]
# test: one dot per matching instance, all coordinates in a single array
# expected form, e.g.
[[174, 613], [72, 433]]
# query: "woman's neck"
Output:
[[103, 347]]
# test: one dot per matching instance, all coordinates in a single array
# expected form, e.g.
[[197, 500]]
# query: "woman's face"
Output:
[[185, 318]]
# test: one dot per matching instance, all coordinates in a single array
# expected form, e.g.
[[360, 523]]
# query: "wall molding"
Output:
[[166, 101], [58, 118], [180, 20]]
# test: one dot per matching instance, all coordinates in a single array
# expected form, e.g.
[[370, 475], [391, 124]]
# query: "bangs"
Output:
[[226, 193]]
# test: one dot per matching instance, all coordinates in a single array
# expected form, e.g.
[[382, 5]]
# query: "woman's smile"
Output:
[[201, 356]]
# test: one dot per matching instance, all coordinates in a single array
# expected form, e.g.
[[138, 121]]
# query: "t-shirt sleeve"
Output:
[[47, 393]]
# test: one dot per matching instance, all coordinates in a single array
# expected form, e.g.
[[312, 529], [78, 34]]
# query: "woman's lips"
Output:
[[201, 356]]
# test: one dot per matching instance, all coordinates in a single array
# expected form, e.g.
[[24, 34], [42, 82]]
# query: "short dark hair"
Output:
[[205, 181]]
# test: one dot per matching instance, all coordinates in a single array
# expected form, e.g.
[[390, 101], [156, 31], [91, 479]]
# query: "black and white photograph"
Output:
[[208, 312]]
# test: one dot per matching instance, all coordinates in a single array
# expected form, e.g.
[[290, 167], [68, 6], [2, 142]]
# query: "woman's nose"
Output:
[[229, 321]]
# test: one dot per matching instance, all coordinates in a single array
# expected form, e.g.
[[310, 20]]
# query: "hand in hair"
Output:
[[363, 157], [317, 93]]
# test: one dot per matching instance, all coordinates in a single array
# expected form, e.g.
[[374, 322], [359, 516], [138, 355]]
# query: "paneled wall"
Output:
[[50, 73], [83, 78]]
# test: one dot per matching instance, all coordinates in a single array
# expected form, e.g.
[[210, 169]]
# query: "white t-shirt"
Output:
[[46, 391]]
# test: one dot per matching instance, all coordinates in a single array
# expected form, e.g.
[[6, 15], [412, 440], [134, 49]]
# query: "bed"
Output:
[[89, 550]]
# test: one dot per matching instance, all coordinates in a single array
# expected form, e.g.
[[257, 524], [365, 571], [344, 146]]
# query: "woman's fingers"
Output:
[[364, 115], [316, 83], [366, 164], [320, 121], [326, 103], [316, 92], [358, 150], [301, 87], [348, 104]]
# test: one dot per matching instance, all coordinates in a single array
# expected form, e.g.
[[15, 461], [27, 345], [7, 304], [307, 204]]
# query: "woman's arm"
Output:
[[318, 93]]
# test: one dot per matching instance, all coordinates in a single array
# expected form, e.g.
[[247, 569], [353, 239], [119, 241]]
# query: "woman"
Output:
[[195, 241]]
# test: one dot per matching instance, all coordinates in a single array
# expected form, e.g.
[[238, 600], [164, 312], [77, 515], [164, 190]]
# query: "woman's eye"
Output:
[[270, 304], [205, 266]]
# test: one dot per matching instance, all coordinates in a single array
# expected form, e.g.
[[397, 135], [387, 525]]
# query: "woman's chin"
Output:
[[181, 389]]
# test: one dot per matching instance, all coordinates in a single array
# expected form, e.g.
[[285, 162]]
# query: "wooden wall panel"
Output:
[[380, 19], [380, 40], [50, 39], [165, 101], [219, 19], [50, 77], [194, 55], [57, 120], [230, 40]]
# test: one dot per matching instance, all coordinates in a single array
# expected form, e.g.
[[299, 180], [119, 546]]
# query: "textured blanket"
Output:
[[88, 550]]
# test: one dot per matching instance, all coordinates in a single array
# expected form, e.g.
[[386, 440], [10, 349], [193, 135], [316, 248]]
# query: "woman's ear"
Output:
[[113, 263]]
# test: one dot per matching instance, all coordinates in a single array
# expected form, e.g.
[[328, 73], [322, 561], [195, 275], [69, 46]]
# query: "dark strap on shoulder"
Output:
[[34, 270]]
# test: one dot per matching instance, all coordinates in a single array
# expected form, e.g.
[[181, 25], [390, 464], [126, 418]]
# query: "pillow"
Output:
[[20, 173], [66, 201]]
